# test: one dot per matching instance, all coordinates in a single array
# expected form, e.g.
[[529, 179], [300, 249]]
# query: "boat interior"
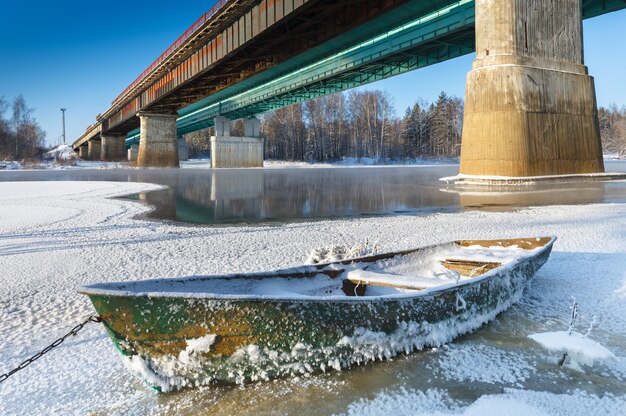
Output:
[[386, 274]]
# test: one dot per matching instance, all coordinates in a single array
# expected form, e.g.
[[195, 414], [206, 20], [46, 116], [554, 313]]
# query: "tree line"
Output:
[[363, 124], [20, 134], [357, 124], [613, 130]]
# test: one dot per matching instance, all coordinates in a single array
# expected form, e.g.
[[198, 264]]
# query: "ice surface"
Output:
[[579, 347], [482, 363], [56, 236], [512, 402]]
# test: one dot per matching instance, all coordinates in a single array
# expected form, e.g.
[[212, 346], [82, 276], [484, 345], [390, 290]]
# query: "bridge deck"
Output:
[[217, 70]]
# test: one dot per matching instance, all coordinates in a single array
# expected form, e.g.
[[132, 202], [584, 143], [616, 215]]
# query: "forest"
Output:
[[356, 124], [613, 130], [364, 124], [21, 138]]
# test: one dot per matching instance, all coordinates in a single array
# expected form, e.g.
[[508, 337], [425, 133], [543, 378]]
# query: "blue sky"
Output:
[[75, 55]]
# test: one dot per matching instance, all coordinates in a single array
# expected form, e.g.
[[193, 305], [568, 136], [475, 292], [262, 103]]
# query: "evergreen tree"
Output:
[[361, 124]]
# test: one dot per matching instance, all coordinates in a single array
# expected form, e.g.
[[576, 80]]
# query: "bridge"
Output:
[[530, 103]]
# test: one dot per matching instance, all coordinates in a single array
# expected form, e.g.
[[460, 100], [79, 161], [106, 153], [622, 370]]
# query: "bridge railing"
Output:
[[202, 20]]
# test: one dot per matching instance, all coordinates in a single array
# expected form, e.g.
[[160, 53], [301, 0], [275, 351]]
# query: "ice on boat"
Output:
[[431, 268]]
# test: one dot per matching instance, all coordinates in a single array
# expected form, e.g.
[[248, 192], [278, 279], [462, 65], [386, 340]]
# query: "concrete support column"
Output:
[[133, 152], [530, 105], [221, 126], [93, 150], [183, 151], [83, 151], [158, 146], [252, 127], [113, 148], [236, 152]]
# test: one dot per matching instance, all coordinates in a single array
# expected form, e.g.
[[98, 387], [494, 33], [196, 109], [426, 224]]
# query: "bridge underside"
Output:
[[442, 35], [417, 40]]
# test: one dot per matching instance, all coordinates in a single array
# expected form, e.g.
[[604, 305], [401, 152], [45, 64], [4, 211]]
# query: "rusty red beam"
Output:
[[192, 29]]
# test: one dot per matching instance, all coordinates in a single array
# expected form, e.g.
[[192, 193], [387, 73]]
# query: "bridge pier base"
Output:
[[93, 149], [133, 152], [83, 151], [113, 148], [530, 105], [236, 152], [183, 151], [158, 146]]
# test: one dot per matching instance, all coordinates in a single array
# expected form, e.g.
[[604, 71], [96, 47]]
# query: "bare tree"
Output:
[[360, 124], [21, 137]]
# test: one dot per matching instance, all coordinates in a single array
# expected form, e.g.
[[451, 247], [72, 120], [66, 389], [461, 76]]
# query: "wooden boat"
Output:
[[193, 331]]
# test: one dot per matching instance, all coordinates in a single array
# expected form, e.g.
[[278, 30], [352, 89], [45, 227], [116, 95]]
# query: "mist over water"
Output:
[[257, 196]]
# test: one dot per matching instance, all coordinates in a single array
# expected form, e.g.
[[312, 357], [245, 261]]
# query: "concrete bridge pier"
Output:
[[113, 148], [83, 151], [236, 152], [530, 105], [133, 152], [93, 149], [183, 151], [158, 145]]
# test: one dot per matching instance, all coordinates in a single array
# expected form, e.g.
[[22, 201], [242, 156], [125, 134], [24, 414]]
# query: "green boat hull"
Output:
[[243, 340]]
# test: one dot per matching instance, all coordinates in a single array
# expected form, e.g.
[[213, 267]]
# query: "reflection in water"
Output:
[[277, 195], [205, 196], [522, 196]]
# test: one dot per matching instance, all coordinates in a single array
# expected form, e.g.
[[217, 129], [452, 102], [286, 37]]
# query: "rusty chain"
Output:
[[73, 332]]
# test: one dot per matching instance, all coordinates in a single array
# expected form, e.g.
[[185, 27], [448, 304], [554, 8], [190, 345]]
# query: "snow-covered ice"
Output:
[[580, 348], [62, 152], [433, 402], [349, 162], [56, 236]]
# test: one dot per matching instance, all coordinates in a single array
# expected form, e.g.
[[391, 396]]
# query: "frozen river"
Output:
[[55, 236], [240, 196]]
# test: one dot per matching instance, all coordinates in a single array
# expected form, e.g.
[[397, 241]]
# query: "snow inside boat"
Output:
[[200, 330]]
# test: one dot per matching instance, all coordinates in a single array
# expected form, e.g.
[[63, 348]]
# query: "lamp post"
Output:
[[63, 115]]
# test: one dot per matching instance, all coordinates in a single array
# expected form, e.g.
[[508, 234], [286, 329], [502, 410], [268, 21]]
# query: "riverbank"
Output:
[[55, 236]]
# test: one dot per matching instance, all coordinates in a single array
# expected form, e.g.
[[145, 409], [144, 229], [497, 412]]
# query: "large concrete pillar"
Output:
[[93, 150], [158, 146], [113, 148], [133, 152], [183, 151], [236, 152], [83, 151], [252, 127], [530, 105]]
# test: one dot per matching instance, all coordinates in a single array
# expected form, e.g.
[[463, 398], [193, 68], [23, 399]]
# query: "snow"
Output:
[[196, 346], [511, 403], [483, 364], [62, 164], [361, 161], [426, 274], [350, 162], [336, 253], [10, 165], [56, 236], [465, 179], [62, 152], [579, 347]]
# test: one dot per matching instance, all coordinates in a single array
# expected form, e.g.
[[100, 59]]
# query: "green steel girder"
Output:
[[593, 8], [436, 37], [377, 58]]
